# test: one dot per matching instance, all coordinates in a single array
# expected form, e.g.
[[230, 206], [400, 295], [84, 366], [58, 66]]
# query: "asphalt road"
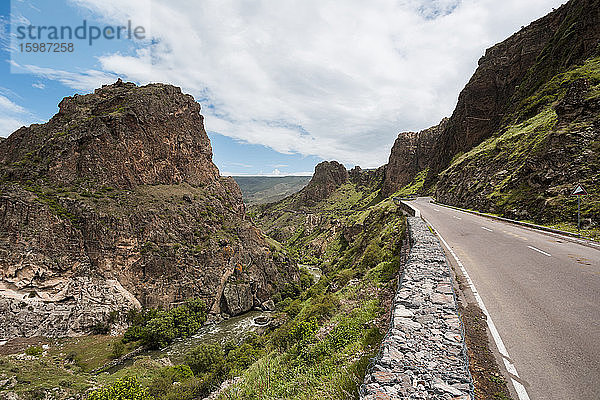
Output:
[[543, 294]]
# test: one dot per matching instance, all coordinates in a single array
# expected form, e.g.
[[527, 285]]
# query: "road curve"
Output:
[[543, 294]]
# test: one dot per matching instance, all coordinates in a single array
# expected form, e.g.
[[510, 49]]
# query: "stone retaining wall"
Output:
[[423, 356]]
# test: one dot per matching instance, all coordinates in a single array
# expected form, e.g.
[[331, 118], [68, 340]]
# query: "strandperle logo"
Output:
[[85, 31]]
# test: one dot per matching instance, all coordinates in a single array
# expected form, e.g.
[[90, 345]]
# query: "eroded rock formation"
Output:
[[115, 203], [411, 154], [328, 176]]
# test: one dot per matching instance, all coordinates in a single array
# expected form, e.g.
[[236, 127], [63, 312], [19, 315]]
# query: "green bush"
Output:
[[241, 357], [100, 328], [290, 290], [372, 256], [160, 331], [293, 308], [322, 306], [158, 328], [192, 389], [306, 279], [206, 358], [34, 351], [127, 388], [342, 335], [163, 382], [303, 331], [373, 337], [117, 349]]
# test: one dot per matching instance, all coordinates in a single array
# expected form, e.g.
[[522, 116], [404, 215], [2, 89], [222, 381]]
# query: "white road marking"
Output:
[[487, 229], [454, 216], [510, 367], [540, 251], [435, 209]]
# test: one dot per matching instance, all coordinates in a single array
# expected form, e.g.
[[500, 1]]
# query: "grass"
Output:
[[415, 186], [88, 352], [65, 365], [336, 316]]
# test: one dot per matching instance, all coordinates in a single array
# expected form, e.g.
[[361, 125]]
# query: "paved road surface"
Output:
[[543, 294]]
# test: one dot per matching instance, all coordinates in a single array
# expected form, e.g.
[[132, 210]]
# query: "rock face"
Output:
[[115, 203], [328, 176], [530, 171], [411, 154], [513, 70], [370, 179]]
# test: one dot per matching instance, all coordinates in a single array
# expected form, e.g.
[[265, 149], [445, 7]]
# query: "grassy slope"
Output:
[[533, 163], [345, 310], [267, 189]]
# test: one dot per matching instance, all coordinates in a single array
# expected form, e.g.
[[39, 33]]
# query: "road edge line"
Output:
[[510, 367], [569, 236]]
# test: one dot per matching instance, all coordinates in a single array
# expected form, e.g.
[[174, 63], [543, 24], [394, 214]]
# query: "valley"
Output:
[[130, 268]]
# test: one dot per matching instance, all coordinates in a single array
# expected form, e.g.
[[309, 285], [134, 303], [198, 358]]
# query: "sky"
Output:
[[283, 84]]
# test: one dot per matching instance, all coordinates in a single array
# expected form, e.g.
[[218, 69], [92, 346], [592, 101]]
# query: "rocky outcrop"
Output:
[[81, 303], [411, 154], [423, 356], [530, 172], [120, 136], [368, 179], [513, 70], [118, 190], [328, 176], [574, 105]]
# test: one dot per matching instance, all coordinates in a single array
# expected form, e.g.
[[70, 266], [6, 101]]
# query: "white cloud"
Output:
[[319, 77], [38, 85], [12, 116], [81, 80]]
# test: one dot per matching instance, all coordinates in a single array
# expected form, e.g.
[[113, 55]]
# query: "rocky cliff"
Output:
[[328, 176], [411, 154], [513, 70], [525, 129], [115, 203]]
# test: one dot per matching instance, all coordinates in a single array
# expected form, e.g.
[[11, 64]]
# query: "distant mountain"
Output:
[[268, 189]]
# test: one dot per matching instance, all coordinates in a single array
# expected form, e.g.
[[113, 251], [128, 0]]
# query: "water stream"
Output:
[[233, 330]]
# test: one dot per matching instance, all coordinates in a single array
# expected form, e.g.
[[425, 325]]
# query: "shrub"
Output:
[[163, 382], [117, 349], [241, 357], [322, 306], [158, 328], [389, 269], [34, 351], [303, 331], [290, 290], [159, 331], [293, 308], [306, 279], [372, 256], [373, 337], [127, 388], [206, 358], [342, 335], [100, 328]]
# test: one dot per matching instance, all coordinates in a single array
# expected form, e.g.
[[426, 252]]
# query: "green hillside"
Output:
[[268, 189]]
